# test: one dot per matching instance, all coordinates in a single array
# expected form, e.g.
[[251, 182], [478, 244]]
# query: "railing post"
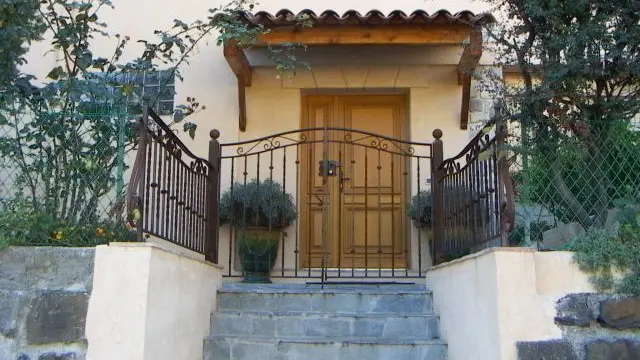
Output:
[[437, 157], [143, 125], [213, 197]]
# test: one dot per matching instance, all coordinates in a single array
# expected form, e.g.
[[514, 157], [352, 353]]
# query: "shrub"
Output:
[[21, 225], [604, 252], [421, 210], [257, 204], [421, 207]]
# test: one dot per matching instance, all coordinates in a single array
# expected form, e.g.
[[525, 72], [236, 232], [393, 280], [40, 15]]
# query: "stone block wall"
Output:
[[594, 327], [481, 102], [44, 294]]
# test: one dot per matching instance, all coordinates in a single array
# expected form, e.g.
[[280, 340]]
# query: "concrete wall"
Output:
[[493, 299], [149, 303], [44, 294]]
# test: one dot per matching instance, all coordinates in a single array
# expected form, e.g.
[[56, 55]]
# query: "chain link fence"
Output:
[[62, 176], [572, 177]]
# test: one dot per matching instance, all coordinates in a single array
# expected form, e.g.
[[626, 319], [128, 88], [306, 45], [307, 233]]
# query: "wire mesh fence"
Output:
[[62, 176], [572, 177]]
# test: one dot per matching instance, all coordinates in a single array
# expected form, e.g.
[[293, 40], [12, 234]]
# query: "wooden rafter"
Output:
[[364, 35], [468, 62], [369, 35], [242, 69], [466, 99]]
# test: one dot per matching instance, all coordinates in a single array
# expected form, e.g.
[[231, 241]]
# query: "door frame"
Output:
[[405, 119]]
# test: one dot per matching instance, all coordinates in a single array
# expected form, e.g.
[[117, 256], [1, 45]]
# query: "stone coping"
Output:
[[483, 253], [165, 249]]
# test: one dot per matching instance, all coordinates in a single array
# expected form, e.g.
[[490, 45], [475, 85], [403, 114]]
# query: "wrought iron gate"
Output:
[[351, 191]]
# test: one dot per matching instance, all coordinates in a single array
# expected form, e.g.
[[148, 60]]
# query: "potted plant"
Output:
[[421, 210], [260, 210], [421, 207]]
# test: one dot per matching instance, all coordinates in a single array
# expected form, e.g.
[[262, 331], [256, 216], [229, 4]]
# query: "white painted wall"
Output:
[[490, 300], [149, 303]]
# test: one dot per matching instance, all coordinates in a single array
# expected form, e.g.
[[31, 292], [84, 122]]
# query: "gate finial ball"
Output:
[[437, 133], [215, 134]]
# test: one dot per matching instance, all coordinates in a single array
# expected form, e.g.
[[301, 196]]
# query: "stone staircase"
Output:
[[339, 322]]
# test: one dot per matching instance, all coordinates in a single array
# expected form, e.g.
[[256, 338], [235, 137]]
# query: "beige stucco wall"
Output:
[[490, 300], [208, 77], [274, 105], [149, 303], [428, 74]]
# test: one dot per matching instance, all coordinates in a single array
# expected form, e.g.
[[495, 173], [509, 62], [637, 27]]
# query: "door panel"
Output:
[[372, 203], [365, 218], [317, 112]]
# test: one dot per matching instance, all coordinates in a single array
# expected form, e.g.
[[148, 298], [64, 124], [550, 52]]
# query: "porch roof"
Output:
[[373, 28], [285, 17]]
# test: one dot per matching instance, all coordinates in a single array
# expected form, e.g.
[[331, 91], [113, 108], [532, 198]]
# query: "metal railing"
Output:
[[473, 195], [173, 193], [176, 196]]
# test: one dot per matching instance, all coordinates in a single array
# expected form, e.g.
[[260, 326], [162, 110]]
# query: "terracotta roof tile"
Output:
[[286, 17]]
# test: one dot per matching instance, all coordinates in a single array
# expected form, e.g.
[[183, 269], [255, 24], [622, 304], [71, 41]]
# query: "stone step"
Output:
[[335, 301], [240, 348], [325, 325]]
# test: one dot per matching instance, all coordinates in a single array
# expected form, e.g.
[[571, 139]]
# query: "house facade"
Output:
[[384, 108], [374, 81]]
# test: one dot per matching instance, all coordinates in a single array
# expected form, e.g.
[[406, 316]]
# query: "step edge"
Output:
[[258, 313], [345, 340], [321, 292]]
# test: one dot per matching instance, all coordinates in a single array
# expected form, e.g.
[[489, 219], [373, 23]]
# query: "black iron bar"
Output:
[[284, 199]]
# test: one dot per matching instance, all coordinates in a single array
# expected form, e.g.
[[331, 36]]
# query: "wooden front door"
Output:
[[357, 218]]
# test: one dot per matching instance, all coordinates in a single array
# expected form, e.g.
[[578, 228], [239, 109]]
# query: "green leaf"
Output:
[[3, 120], [56, 73], [485, 155], [85, 60], [178, 116], [128, 89], [489, 129], [191, 129]]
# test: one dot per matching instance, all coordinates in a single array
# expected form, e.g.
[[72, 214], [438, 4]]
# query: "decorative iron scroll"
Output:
[[316, 135], [163, 134], [480, 144]]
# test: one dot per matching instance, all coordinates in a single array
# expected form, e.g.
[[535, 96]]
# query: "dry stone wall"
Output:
[[44, 294], [594, 327]]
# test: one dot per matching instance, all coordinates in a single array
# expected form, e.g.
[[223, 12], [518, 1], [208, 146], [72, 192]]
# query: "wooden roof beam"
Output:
[[369, 35], [468, 62], [240, 66]]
